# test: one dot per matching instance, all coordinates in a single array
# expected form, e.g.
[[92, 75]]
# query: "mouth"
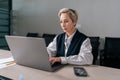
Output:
[[64, 28]]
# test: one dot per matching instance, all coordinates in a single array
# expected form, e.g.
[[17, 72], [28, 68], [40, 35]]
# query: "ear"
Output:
[[74, 23]]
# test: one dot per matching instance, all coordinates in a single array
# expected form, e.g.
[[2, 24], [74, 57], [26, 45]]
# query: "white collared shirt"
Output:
[[84, 56]]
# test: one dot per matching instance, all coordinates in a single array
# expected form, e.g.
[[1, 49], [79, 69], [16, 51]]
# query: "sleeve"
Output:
[[84, 56], [51, 49]]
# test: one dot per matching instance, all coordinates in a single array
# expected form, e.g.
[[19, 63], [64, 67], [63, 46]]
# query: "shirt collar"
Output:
[[71, 36]]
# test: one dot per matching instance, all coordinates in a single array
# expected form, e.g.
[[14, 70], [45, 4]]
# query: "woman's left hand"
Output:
[[54, 59]]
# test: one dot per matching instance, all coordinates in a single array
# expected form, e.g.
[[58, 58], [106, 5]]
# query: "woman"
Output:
[[70, 47]]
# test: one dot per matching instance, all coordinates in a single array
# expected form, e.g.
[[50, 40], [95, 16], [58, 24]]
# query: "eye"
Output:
[[66, 21]]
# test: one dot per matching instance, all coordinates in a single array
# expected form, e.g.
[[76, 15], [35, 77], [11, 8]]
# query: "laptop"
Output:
[[31, 52]]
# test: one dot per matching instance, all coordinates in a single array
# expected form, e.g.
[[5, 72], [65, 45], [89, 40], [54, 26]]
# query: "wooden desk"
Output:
[[66, 73]]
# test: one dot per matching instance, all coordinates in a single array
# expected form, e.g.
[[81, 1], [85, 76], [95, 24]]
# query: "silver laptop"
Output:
[[31, 52]]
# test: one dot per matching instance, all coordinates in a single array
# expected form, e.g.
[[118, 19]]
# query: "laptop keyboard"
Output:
[[56, 64]]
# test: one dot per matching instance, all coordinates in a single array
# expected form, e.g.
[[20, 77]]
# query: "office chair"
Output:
[[110, 56], [95, 47]]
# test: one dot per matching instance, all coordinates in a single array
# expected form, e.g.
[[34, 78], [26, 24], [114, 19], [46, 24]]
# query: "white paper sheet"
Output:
[[5, 60]]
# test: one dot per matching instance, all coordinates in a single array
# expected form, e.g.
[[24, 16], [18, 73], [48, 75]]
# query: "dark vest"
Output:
[[74, 47]]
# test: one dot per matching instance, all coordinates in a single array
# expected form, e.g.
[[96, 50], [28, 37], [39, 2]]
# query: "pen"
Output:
[[10, 63]]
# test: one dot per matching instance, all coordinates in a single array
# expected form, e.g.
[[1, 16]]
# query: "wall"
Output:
[[96, 17]]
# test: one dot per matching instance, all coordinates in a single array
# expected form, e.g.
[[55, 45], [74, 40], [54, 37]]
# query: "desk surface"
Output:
[[66, 73]]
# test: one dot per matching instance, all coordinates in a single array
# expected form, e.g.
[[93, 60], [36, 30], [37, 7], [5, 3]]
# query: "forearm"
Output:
[[77, 59]]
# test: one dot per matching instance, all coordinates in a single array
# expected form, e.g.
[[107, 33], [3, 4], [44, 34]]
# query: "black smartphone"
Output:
[[4, 78], [80, 71]]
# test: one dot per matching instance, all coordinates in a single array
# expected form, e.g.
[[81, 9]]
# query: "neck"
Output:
[[70, 33]]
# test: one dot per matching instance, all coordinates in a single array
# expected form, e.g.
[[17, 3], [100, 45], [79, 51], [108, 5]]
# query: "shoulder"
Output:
[[78, 34], [87, 40], [61, 35]]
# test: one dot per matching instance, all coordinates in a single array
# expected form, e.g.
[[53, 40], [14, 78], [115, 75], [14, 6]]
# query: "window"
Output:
[[5, 8]]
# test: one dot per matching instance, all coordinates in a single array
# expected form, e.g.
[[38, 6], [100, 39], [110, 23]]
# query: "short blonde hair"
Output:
[[72, 14]]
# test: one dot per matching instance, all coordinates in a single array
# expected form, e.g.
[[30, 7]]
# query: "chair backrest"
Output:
[[112, 47], [95, 47], [32, 34], [111, 55], [48, 38]]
